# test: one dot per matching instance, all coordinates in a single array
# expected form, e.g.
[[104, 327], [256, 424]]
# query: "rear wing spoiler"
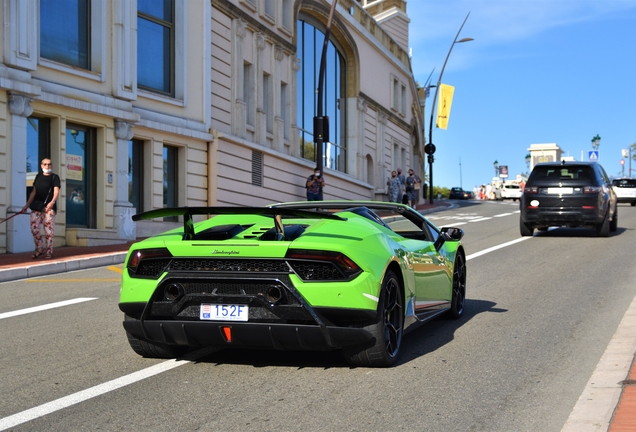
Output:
[[276, 213]]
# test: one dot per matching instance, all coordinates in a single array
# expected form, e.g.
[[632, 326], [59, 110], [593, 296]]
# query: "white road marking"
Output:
[[84, 395], [503, 214], [45, 307], [494, 248], [481, 219]]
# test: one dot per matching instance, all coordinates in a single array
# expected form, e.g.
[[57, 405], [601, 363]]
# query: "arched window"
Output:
[[310, 43]]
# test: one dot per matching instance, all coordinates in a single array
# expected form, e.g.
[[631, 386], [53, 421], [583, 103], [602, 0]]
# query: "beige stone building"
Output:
[[144, 104]]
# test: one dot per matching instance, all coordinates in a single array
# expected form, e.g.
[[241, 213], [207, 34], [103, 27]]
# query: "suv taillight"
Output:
[[531, 190], [591, 189]]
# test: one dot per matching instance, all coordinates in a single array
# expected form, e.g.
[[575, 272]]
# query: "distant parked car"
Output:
[[459, 193], [511, 191], [625, 189], [568, 194]]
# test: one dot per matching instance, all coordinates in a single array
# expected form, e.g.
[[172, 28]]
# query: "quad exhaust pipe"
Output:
[[274, 294]]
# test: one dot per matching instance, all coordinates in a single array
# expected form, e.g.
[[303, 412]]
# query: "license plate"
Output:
[[224, 312], [560, 190]]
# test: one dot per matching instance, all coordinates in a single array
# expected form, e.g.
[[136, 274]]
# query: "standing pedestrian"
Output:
[[402, 179], [314, 185], [412, 189], [42, 202], [395, 189]]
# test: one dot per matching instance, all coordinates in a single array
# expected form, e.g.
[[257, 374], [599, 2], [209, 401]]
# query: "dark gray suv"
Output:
[[571, 194]]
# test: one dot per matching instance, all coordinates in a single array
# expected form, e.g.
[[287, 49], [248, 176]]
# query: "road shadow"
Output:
[[431, 336], [421, 340], [577, 232]]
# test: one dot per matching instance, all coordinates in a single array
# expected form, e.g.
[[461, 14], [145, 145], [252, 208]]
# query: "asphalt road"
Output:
[[540, 314]]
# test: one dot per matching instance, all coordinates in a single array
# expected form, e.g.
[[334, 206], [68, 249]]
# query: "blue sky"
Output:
[[538, 71]]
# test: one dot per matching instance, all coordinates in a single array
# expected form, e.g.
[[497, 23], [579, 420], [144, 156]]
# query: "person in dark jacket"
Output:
[[42, 202], [314, 185]]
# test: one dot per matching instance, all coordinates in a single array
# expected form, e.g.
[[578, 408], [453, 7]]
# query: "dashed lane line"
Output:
[[84, 395], [45, 307]]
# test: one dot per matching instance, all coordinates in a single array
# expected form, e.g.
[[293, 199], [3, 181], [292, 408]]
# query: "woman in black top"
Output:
[[46, 189]]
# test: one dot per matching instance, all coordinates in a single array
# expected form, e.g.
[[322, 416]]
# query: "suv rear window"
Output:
[[562, 173], [624, 183]]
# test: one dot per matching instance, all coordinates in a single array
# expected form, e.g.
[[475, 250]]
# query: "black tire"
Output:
[[525, 229], [458, 298], [633, 203], [387, 329], [603, 229], [151, 349], [614, 222]]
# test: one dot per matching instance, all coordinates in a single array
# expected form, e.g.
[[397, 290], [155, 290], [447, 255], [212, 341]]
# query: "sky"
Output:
[[537, 71]]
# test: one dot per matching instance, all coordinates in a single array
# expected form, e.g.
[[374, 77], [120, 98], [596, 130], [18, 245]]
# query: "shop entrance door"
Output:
[[80, 177]]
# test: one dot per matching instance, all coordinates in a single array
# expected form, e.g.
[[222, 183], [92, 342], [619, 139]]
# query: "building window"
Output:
[[287, 13], [248, 94], [170, 186], [156, 45], [310, 42], [396, 94], [403, 99], [269, 8], [65, 34], [267, 103], [284, 109], [135, 174], [38, 147], [38, 144]]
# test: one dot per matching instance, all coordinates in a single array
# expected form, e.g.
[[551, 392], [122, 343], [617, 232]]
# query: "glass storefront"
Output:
[[80, 172]]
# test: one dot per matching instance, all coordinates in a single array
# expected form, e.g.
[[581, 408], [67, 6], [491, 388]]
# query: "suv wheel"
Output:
[[603, 229], [614, 223], [525, 229]]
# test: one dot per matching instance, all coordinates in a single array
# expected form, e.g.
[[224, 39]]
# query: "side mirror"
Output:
[[448, 234], [453, 233]]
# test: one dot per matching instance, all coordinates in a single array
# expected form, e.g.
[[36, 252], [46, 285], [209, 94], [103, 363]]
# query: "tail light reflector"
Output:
[[591, 189]]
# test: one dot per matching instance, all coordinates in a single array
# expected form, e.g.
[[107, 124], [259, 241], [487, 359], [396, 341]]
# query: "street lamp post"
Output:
[[596, 141], [528, 159], [496, 165], [321, 123], [430, 147]]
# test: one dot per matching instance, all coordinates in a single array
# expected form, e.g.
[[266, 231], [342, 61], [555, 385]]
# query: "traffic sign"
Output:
[[593, 155]]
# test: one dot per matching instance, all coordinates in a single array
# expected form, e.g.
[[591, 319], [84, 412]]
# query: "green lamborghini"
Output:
[[347, 275]]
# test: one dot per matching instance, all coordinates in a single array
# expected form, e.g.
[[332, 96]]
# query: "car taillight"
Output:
[[531, 190], [338, 258], [346, 265], [591, 189], [148, 262]]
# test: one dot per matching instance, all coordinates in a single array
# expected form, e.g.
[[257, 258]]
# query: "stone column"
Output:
[[123, 210], [19, 238]]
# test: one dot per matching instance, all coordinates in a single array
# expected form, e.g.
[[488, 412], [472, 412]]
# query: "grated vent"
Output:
[[257, 168]]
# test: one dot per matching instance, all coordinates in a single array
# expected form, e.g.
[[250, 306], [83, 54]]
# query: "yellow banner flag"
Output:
[[444, 107]]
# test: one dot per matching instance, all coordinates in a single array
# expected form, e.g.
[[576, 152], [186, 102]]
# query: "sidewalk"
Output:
[[608, 402]]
